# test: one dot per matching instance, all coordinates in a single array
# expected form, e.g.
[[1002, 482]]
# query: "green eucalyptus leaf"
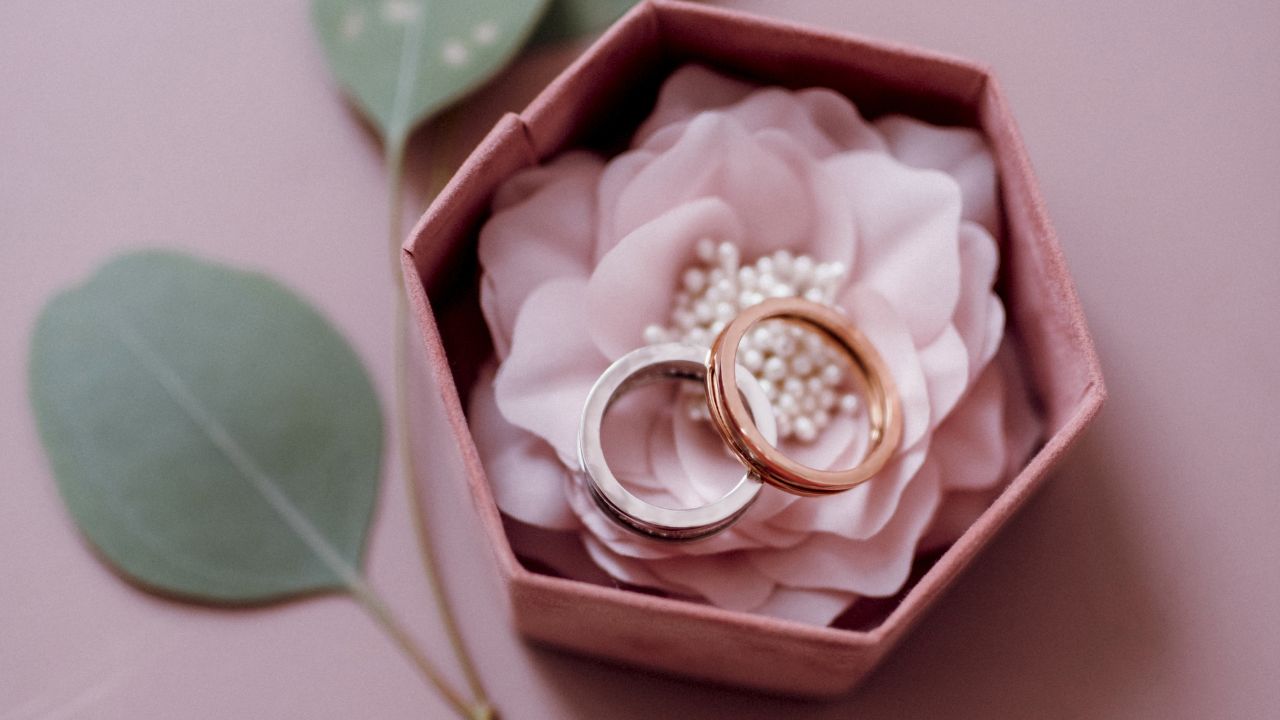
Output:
[[211, 434], [575, 19], [405, 60]]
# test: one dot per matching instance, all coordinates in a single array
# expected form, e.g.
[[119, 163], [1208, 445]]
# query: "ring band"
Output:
[[731, 420], [641, 367]]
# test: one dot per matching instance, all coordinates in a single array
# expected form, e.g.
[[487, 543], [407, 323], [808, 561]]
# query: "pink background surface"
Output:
[[1140, 583]]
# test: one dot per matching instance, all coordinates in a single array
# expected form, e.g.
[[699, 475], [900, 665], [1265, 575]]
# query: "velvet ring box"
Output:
[[598, 102]]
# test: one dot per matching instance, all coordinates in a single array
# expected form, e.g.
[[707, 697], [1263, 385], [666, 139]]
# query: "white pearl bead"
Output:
[[727, 288], [694, 279], [775, 369], [814, 294], [813, 343], [753, 360], [831, 374], [794, 386], [804, 430], [849, 403], [802, 269], [787, 403], [784, 427], [783, 344], [782, 260], [802, 364], [827, 399], [706, 250], [703, 311], [655, 334], [727, 255]]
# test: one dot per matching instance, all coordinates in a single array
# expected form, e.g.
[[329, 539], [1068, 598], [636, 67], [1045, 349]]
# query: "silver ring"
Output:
[[641, 367]]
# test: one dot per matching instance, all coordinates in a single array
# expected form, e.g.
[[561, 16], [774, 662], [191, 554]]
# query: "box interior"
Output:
[[585, 108]]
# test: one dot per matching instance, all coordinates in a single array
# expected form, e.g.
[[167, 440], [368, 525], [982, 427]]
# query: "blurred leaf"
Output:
[[575, 19], [212, 435], [405, 60]]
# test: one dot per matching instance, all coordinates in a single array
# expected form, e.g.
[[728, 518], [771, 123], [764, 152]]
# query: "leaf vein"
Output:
[[244, 463]]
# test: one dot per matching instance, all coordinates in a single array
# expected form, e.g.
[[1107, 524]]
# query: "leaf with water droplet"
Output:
[[211, 434], [404, 60]]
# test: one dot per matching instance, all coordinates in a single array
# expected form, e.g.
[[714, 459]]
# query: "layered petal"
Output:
[[906, 222], [545, 380], [527, 478], [960, 152], [542, 232], [806, 605], [633, 285], [716, 157], [875, 567], [979, 316]]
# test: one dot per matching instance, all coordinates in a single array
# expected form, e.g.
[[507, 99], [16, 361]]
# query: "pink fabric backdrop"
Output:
[[1141, 583]]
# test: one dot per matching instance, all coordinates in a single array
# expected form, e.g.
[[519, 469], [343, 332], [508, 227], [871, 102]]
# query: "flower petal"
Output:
[[633, 285], [960, 152], [626, 569], [527, 478], [615, 179], [906, 222], [945, 363], [861, 512], [830, 234], [690, 90], [875, 567], [821, 121], [816, 607], [544, 382], [717, 157], [969, 447], [878, 320], [725, 579], [543, 236], [979, 316]]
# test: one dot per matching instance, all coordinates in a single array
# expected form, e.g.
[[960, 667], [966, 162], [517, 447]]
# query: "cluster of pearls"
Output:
[[799, 372]]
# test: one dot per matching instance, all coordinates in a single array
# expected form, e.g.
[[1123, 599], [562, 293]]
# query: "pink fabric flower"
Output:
[[582, 254]]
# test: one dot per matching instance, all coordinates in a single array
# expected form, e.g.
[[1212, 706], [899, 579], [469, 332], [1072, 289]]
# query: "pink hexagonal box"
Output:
[[599, 100]]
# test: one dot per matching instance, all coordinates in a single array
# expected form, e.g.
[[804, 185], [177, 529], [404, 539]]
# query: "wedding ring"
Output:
[[641, 367], [755, 448]]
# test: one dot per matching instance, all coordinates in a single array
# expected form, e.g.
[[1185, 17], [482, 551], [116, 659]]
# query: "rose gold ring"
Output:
[[731, 419]]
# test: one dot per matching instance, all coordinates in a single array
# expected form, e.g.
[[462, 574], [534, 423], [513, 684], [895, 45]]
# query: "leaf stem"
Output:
[[381, 613], [395, 205], [395, 167]]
